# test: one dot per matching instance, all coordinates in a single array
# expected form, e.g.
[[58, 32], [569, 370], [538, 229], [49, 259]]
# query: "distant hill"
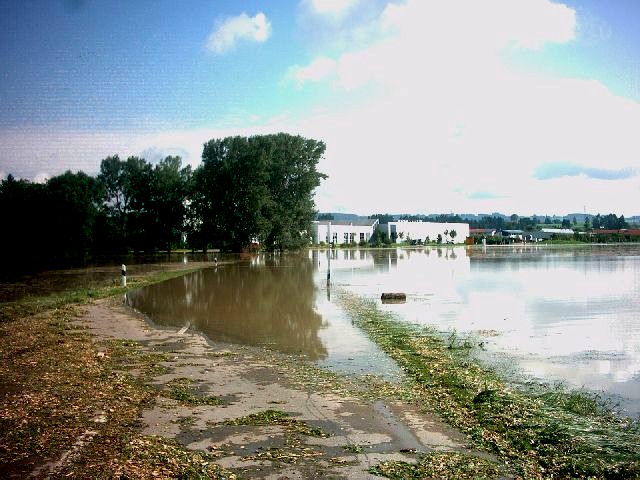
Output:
[[340, 216], [580, 217]]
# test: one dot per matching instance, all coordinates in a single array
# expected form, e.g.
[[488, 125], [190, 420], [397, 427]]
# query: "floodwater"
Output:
[[98, 272], [552, 314]]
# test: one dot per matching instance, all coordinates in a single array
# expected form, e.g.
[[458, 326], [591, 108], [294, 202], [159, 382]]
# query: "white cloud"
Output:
[[495, 23], [320, 69], [332, 7], [453, 119], [451, 126], [229, 32]]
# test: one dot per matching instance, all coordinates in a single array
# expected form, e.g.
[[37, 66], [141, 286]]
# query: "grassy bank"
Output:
[[68, 409], [537, 434]]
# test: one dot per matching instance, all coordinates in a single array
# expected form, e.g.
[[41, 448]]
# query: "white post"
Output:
[[329, 255], [124, 275]]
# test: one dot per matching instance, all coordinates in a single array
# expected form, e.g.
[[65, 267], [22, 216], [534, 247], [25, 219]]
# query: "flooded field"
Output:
[[97, 273], [569, 314]]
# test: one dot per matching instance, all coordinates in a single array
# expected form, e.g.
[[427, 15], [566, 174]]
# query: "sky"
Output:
[[426, 106]]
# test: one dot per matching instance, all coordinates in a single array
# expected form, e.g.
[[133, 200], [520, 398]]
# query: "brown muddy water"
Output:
[[551, 314]]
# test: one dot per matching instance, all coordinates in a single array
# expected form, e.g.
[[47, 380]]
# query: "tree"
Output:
[[230, 194], [291, 180], [439, 239], [72, 203], [378, 237], [24, 224], [325, 216], [258, 188], [453, 235], [382, 217], [622, 223], [168, 201], [446, 235], [126, 187], [566, 223], [587, 223], [116, 201]]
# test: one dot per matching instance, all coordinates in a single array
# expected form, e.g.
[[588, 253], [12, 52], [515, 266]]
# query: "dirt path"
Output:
[[269, 420]]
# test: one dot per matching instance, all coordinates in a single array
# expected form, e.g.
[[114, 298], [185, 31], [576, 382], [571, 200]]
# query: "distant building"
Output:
[[513, 234], [558, 231], [405, 230], [487, 232], [343, 231]]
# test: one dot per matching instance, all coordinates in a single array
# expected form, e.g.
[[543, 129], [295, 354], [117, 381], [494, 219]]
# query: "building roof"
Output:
[[560, 231], [624, 231], [365, 222]]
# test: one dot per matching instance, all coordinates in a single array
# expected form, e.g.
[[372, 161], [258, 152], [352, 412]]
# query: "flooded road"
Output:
[[272, 302], [569, 314]]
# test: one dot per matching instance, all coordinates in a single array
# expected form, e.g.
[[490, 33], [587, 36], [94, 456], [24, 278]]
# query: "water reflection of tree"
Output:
[[261, 304]]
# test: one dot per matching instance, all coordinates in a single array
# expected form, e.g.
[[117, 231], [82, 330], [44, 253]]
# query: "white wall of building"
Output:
[[422, 230], [340, 233]]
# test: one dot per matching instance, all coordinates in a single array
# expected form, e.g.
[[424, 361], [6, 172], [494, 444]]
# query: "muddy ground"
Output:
[[361, 433], [254, 412]]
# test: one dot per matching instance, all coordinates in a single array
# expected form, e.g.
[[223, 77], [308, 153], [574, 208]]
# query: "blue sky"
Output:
[[520, 106]]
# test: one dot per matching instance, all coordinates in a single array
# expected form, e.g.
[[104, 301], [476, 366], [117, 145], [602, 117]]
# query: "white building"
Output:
[[406, 230], [339, 231], [558, 231]]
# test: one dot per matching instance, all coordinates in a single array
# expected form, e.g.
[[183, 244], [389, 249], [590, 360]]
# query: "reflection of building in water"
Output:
[[342, 259], [341, 231], [425, 231]]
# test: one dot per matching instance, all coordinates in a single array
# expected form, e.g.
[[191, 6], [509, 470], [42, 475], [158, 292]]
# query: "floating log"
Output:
[[391, 297]]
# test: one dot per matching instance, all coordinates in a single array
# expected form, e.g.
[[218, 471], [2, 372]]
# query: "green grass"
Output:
[[181, 389], [539, 433], [439, 465], [278, 417]]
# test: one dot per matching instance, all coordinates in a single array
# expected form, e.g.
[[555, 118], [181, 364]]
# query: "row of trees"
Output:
[[609, 221], [255, 189]]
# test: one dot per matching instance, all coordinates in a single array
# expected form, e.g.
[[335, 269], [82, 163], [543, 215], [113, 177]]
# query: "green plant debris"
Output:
[[181, 389], [538, 433], [353, 448], [223, 354], [293, 454], [278, 417], [152, 456], [439, 466], [185, 422], [56, 380]]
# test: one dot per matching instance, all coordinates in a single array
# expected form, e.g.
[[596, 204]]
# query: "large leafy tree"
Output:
[[24, 223], [72, 203], [168, 201], [127, 189], [256, 188], [229, 192], [291, 180]]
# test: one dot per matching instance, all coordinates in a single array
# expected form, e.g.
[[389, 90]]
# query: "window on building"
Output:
[[346, 238], [362, 236]]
